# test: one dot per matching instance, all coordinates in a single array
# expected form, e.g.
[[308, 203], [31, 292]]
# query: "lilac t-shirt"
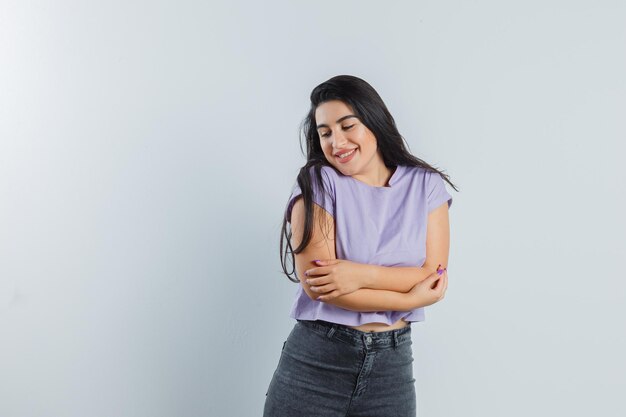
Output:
[[374, 225]]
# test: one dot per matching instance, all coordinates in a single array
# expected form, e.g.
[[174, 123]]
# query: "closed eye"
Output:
[[345, 128]]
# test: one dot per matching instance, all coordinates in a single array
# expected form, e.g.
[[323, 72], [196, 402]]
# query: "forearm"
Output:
[[366, 299], [395, 278]]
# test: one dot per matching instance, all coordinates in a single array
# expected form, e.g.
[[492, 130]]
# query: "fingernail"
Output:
[[306, 273]]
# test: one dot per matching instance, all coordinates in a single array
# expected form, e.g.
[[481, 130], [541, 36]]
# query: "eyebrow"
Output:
[[338, 120]]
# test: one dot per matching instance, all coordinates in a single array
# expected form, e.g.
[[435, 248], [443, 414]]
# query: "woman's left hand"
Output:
[[340, 277]]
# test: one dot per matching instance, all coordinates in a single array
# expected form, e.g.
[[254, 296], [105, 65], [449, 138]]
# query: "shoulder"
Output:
[[328, 173], [421, 172], [323, 196], [417, 172], [428, 181]]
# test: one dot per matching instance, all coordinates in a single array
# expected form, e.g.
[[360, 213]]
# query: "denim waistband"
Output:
[[368, 340]]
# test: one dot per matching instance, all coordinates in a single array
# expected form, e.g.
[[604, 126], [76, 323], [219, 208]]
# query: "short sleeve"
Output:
[[436, 193], [323, 198]]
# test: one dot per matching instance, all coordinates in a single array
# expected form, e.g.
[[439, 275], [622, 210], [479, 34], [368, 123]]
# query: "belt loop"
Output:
[[331, 331], [395, 339]]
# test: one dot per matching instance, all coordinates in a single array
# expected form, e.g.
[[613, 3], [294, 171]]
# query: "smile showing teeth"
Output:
[[347, 153]]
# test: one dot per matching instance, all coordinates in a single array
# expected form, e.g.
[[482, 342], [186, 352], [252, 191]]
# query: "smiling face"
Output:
[[341, 131]]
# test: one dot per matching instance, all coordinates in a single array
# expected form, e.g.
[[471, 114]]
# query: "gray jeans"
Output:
[[328, 369]]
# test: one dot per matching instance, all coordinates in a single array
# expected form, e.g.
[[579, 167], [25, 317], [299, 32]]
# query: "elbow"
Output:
[[313, 296], [307, 289]]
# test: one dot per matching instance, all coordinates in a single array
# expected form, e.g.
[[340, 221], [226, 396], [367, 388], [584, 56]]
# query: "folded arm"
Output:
[[322, 246], [402, 278]]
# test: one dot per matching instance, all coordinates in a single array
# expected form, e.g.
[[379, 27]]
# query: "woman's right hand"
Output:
[[430, 290]]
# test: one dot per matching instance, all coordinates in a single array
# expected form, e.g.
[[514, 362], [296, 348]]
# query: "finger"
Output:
[[323, 288], [315, 271], [440, 272], [434, 282], [434, 276], [329, 296], [317, 281], [444, 275], [439, 284], [443, 280]]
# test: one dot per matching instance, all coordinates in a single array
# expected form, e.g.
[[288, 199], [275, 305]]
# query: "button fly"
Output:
[[368, 339]]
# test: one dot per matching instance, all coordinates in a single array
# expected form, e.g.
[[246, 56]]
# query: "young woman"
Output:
[[369, 223]]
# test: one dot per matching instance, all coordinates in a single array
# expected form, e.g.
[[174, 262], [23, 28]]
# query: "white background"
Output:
[[148, 148]]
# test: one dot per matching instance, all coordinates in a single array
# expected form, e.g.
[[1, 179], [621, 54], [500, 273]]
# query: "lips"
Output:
[[348, 158], [344, 151]]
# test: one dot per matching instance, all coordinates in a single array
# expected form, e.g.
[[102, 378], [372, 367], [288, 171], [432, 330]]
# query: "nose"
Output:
[[340, 139]]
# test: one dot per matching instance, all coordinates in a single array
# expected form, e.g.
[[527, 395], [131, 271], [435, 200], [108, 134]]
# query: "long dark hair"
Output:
[[373, 113]]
